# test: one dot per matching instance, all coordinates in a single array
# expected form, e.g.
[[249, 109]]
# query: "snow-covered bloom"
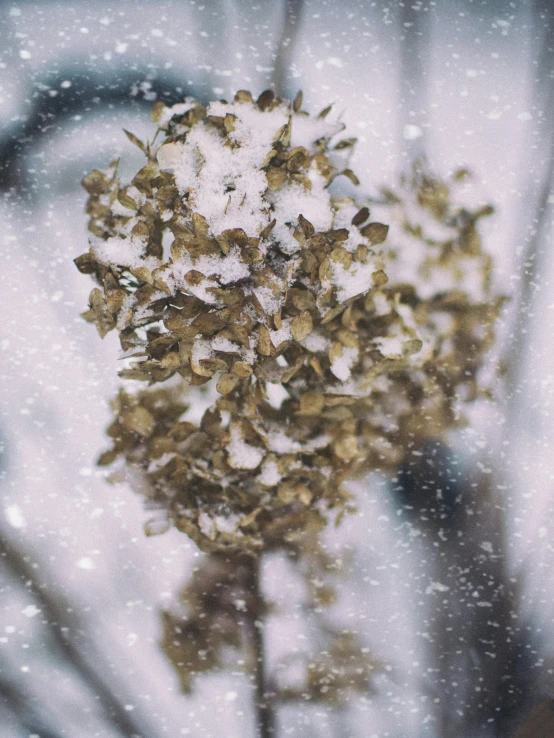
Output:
[[314, 346]]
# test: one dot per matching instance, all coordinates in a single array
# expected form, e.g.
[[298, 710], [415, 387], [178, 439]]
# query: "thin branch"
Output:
[[478, 635], [412, 83], [62, 625], [540, 721], [12, 699], [285, 50], [535, 251], [89, 91]]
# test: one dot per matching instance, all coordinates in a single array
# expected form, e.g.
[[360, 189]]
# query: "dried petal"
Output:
[[376, 233], [227, 383]]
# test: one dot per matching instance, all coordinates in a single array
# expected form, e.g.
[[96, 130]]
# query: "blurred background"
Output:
[[461, 82]]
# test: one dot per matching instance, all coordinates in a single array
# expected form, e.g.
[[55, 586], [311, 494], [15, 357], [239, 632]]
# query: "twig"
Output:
[[285, 50], [413, 30], [535, 252], [55, 612], [478, 634], [16, 702]]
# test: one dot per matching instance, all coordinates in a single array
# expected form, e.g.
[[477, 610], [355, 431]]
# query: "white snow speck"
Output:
[[411, 132], [30, 611], [85, 562], [436, 587], [14, 516]]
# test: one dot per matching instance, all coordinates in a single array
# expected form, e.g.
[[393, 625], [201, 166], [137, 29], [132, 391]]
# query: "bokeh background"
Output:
[[459, 82]]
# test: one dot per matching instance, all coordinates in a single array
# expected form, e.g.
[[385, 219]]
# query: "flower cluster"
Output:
[[317, 345], [291, 338]]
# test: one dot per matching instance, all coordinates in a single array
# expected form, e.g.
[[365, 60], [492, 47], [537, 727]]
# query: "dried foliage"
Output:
[[231, 272]]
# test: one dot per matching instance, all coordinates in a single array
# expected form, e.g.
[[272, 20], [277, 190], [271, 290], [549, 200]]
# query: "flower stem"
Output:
[[263, 705]]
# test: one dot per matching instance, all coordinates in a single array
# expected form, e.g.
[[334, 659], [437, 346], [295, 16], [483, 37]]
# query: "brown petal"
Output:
[[375, 232], [301, 326], [227, 383]]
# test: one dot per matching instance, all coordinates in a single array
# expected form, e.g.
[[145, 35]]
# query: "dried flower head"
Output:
[[291, 342], [229, 263]]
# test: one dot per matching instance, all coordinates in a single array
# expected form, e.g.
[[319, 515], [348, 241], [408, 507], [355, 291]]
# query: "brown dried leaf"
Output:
[[139, 421], [301, 299], [276, 178], [202, 246], [85, 263], [200, 225], [227, 383], [379, 278], [325, 112], [241, 369], [362, 252], [351, 176], [348, 338], [265, 347], [311, 403], [413, 346], [136, 141], [243, 96], [339, 234], [301, 326], [361, 216], [265, 100], [345, 143], [375, 232], [341, 256], [346, 447], [325, 271], [96, 183], [307, 228], [157, 111], [194, 277], [229, 122]]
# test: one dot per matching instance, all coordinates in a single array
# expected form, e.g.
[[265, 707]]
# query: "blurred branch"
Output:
[[412, 83], [18, 704], [61, 620], [88, 94], [285, 51], [540, 723], [481, 649], [537, 227]]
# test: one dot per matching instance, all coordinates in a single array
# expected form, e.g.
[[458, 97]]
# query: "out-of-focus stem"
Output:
[[263, 705], [285, 51], [412, 82]]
